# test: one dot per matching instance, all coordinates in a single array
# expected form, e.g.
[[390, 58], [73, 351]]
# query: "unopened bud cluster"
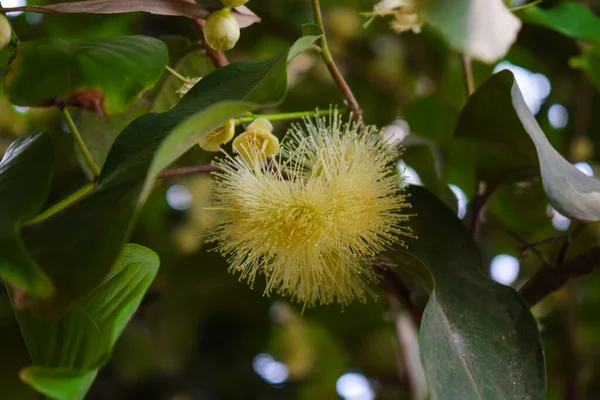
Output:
[[5, 32], [222, 30], [255, 144]]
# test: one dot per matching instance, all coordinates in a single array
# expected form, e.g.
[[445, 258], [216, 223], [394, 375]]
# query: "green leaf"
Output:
[[25, 173], [478, 338], [311, 33], [77, 246], [574, 20], [589, 61], [482, 29], [104, 75], [59, 384], [512, 129], [67, 352]]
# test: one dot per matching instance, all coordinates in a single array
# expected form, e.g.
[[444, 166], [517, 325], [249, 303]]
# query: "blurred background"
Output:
[[201, 334]]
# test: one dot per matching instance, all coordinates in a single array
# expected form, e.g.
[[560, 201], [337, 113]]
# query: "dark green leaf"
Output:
[[68, 351], [103, 75], [512, 129], [25, 173], [78, 246], [572, 19], [478, 338]]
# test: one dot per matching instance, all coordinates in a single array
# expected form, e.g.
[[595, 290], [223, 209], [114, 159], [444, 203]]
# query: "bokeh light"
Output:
[[505, 269], [354, 386]]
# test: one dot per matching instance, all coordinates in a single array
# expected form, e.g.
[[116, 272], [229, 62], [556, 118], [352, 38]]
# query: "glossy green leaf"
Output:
[[104, 75], [77, 246], [512, 129], [572, 19], [25, 173], [478, 338], [482, 29], [59, 384], [67, 352]]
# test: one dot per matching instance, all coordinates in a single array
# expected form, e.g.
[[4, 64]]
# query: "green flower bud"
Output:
[[5, 32], [221, 30], [221, 135], [233, 3]]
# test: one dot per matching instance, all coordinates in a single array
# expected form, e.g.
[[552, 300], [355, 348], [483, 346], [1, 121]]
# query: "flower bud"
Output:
[[5, 32], [257, 143], [221, 135], [221, 30], [233, 3]]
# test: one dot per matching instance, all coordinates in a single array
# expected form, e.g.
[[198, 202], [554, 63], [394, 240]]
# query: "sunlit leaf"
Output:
[[482, 29], [67, 352], [103, 75]]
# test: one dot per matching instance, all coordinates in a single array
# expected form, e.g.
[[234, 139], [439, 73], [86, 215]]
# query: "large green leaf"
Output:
[[25, 173], [104, 75], [67, 352], [572, 19], [77, 246], [478, 338], [482, 29], [512, 128]]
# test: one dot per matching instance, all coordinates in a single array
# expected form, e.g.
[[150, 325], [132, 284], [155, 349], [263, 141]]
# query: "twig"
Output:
[[81, 144], [395, 288], [61, 205], [477, 205], [469, 80], [184, 171], [528, 246], [548, 280], [333, 69]]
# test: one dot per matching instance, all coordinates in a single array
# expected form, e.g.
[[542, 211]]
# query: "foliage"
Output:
[[103, 106]]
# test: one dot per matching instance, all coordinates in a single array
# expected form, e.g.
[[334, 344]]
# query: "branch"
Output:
[[394, 287], [333, 69], [184, 171], [548, 280], [469, 80]]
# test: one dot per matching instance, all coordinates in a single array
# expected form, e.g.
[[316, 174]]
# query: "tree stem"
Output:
[[61, 205], [469, 80], [81, 144], [333, 69]]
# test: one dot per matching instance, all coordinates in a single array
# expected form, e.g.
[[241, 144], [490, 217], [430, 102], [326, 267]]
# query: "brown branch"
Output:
[[394, 287], [351, 101], [184, 171], [548, 280]]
